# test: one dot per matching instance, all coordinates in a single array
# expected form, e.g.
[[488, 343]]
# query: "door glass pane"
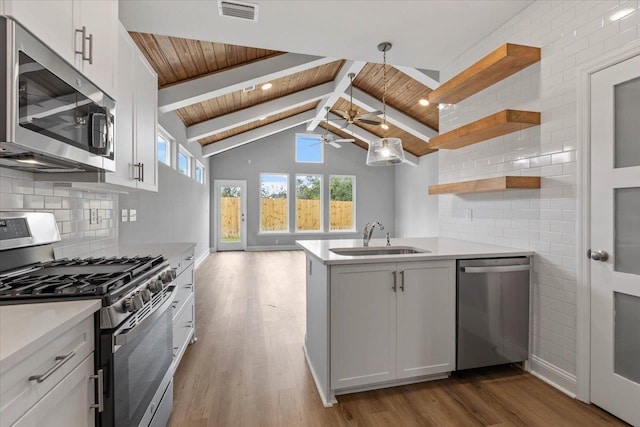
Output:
[[230, 213], [627, 336], [627, 132], [627, 230]]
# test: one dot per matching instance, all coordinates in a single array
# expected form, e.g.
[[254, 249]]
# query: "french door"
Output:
[[231, 219], [615, 239]]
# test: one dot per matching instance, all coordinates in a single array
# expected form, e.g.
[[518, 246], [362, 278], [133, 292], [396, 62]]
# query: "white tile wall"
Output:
[[569, 33], [19, 192]]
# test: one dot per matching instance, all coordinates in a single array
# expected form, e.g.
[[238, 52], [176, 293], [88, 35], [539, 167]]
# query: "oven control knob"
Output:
[[134, 303], [155, 285], [146, 295], [168, 276]]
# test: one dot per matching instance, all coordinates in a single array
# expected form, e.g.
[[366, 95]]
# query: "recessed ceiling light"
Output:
[[423, 102], [440, 106], [384, 126], [267, 86]]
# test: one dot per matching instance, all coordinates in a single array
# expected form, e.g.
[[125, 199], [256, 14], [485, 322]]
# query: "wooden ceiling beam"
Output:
[[395, 117], [341, 83], [251, 114], [419, 76], [258, 133], [368, 137], [214, 85]]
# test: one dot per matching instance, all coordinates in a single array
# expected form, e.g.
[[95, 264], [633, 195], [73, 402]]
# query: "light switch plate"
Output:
[[93, 216], [125, 215], [132, 215]]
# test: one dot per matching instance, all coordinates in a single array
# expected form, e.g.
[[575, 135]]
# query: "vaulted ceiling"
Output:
[[216, 90]]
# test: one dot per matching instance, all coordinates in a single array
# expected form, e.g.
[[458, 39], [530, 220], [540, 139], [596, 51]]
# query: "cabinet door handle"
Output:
[[402, 280], [189, 258], [60, 360], [90, 58], [100, 380], [142, 171], [395, 277], [83, 34]]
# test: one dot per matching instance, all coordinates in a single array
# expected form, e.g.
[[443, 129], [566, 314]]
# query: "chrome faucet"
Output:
[[368, 231]]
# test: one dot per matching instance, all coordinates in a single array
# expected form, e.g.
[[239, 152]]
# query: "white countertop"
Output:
[[26, 327], [438, 247], [167, 250]]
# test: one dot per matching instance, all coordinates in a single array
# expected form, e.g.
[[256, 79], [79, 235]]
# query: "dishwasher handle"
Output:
[[496, 269]]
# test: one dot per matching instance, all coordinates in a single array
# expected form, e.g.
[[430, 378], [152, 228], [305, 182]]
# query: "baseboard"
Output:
[[273, 248], [201, 258], [554, 376], [325, 402]]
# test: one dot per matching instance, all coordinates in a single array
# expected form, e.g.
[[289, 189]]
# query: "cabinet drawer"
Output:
[[68, 403], [184, 290], [183, 328], [18, 393], [181, 262]]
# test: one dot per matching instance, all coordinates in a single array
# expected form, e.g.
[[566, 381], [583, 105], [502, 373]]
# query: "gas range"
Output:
[[134, 341]]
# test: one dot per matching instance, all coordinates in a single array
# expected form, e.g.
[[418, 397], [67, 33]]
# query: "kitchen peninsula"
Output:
[[382, 320]]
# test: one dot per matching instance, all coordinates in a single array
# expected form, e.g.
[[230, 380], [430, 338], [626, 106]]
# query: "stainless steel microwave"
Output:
[[52, 118]]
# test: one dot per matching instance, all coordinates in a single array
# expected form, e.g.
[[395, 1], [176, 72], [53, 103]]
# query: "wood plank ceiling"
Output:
[[177, 60]]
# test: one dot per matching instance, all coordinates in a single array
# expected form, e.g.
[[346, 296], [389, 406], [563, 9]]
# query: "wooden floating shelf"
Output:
[[487, 185], [498, 124], [499, 64]]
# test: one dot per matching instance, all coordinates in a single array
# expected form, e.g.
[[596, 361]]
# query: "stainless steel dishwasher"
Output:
[[493, 312]]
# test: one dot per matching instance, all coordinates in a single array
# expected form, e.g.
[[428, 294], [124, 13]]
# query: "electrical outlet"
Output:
[[468, 215], [133, 216], [93, 216], [125, 215]]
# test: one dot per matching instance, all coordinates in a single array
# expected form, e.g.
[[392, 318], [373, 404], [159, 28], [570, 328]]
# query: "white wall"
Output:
[[570, 33], [416, 210], [276, 154]]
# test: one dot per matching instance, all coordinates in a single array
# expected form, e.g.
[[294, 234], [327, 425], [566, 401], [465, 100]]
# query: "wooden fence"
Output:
[[274, 215]]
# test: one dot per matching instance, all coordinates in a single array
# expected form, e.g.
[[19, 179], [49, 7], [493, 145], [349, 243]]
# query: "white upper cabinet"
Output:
[[59, 24], [136, 119]]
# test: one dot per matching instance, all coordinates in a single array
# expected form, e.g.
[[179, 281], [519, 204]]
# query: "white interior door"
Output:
[[615, 231], [231, 217]]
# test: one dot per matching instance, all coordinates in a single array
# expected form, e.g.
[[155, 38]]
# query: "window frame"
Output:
[[353, 200], [295, 187], [198, 164], [182, 150], [321, 145], [170, 140], [287, 230]]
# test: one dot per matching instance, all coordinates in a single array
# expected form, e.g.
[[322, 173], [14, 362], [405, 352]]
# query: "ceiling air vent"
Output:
[[238, 9]]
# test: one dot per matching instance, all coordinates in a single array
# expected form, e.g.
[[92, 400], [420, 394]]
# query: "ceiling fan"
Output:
[[352, 116], [327, 138]]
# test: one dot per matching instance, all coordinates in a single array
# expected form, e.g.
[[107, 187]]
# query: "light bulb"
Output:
[[423, 102], [385, 152]]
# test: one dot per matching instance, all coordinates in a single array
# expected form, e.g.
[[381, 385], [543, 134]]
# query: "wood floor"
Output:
[[248, 369]]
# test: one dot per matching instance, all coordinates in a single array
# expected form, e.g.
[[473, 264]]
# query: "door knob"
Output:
[[599, 255]]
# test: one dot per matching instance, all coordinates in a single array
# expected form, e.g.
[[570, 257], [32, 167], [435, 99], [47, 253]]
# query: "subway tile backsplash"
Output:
[[71, 208]]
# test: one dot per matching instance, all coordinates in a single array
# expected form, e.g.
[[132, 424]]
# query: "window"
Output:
[[342, 203], [274, 203], [199, 172], [308, 202], [184, 162], [309, 148], [164, 146]]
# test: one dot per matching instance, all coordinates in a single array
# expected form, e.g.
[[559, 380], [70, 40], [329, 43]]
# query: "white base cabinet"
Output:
[[184, 309], [391, 321]]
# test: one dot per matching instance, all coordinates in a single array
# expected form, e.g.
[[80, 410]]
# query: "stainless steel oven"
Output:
[[52, 118], [135, 359]]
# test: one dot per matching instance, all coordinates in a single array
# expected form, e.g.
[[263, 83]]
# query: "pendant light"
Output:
[[385, 151]]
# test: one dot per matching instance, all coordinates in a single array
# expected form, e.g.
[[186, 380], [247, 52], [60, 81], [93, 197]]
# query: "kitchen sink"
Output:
[[378, 250]]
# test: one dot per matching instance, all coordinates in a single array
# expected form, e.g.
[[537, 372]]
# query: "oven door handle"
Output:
[[124, 338]]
